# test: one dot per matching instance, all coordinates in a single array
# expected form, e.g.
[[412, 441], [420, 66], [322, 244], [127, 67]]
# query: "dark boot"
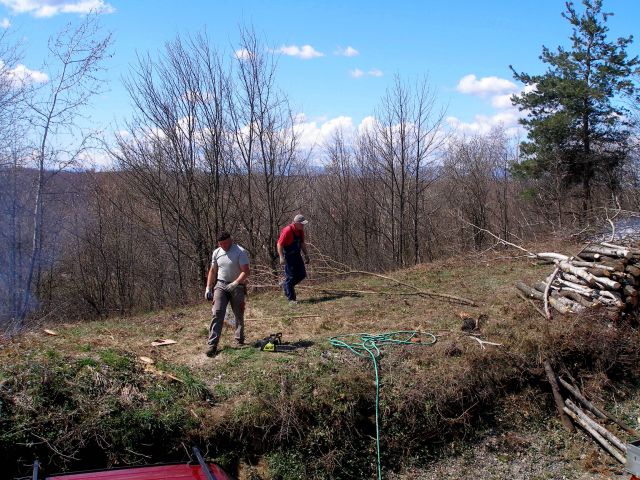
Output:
[[212, 351]]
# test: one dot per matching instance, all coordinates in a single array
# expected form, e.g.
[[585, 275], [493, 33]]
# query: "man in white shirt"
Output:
[[226, 283]]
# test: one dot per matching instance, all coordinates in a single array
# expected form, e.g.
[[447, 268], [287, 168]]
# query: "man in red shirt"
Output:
[[291, 246]]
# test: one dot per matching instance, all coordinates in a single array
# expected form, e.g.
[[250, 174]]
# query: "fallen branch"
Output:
[[551, 376], [555, 303], [596, 426], [483, 342], [550, 280], [533, 305], [463, 301], [283, 316], [599, 438], [596, 411]]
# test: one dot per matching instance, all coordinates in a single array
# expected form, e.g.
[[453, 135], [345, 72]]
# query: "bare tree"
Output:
[[178, 149], [337, 198], [405, 138], [55, 110], [265, 148]]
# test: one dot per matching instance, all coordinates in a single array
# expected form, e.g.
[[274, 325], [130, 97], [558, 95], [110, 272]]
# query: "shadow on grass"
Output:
[[328, 298]]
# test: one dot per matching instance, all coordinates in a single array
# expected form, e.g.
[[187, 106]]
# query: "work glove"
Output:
[[208, 294], [281, 260], [306, 259], [231, 286]]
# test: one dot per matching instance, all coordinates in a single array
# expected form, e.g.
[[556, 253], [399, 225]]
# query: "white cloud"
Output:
[[5, 23], [471, 85], [23, 74], [243, 54], [483, 124], [357, 73], [49, 8], [501, 101], [304, 52], [347, 52], [367, 124], [313, 134]]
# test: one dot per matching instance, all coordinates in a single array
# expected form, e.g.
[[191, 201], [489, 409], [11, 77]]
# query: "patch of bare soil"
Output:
[[541, 455]]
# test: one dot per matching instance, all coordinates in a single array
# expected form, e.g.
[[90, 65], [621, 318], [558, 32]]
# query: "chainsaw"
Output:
[[274, 343]]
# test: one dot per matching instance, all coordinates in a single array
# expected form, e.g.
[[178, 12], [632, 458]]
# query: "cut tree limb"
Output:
[[551, 376], [532, 293], [532, 304], [599, 438], [596, 426], [550, 280], [612, 252], [426, 293], [578, 272], [483, 342], [595, 410]]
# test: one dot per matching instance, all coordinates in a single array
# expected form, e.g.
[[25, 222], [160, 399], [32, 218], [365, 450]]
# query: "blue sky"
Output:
[[337, 57]]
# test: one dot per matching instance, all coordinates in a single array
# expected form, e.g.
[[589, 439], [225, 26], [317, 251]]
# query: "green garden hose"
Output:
[[368, 345]]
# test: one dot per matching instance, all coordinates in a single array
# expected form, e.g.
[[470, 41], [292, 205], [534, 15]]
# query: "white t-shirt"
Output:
[[229, 262]]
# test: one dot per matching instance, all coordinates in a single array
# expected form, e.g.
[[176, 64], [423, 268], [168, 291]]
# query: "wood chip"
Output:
[[50, 332], [146, 360], [162, 343], [172, 377]]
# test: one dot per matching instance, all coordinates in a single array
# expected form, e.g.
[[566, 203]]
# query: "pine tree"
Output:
[[576, 119]]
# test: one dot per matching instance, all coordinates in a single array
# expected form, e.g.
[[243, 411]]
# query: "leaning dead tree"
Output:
[[326, 270]]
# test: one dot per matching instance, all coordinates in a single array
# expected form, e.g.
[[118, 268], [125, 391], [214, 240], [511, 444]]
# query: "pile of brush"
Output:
[[602, 275]]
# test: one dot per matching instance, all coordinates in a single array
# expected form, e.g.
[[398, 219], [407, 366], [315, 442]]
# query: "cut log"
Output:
[[596, 426], [601, 266], [598, 272], [578, 272], [551, 256], [573, 279], [578, 287], [633, 270], [596, 411], [574, 307], [611, 252], [554, 302], [634, 251], [528, 291], [629, 291], [607, 282], [589, 256], [616, 264], [599, 438], [551, 376], [576, 297], [542, 287], [625, 279], [573, 390]]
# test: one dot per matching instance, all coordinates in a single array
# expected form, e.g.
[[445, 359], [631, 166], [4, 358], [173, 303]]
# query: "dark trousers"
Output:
[[294, 272]]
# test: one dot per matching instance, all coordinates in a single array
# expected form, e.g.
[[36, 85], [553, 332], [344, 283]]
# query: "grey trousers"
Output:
[[221, 298]]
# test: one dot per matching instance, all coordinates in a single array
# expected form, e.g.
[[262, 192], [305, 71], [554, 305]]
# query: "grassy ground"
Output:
[[84, 397]]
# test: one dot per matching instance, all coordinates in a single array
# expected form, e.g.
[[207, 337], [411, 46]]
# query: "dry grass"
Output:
[[317, 403]]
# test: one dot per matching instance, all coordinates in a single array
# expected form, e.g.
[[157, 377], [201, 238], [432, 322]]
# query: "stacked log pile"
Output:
[[602, 275]]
